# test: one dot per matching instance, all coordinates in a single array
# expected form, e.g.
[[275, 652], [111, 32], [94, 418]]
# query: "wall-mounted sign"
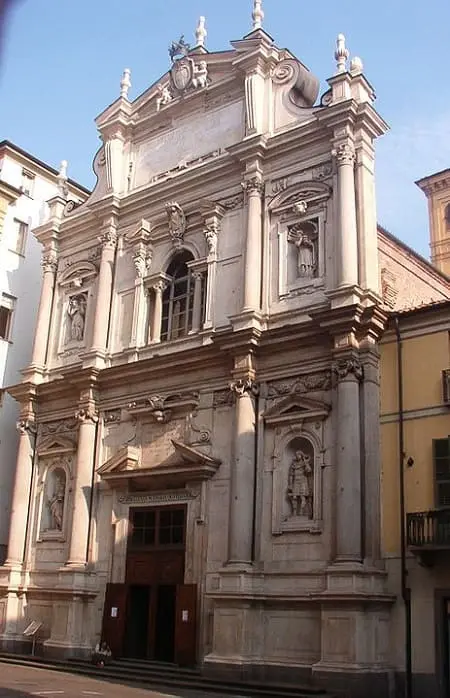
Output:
[[114, 612], [185, 616]]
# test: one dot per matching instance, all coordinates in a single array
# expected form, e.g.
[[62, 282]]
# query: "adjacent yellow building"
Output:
[[415, 487]]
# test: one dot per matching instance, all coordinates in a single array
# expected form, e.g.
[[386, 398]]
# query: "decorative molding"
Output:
[[112, 416], [312, 382], [158, 497], [61, 426], [343, 368], [223, 398], [161, 408], [232, 202]]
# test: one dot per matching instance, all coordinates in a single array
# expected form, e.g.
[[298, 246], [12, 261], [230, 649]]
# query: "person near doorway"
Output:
[[101, 654]]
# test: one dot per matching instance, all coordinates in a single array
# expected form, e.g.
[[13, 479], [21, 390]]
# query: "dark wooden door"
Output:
[[114, 617], [186, 625]]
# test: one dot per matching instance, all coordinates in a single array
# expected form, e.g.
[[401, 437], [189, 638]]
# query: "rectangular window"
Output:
[[20, 236], [27, 185], [157, 527], [441, 458]]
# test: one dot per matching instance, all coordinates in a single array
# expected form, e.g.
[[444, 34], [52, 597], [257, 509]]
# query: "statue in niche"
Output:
[[56, 501], [304, 237], [77, 314], [300, 486]]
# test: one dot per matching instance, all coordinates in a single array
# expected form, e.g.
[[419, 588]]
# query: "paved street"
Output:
[[22, 682]]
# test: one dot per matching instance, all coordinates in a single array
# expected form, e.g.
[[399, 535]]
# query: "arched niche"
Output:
[[54, 495], [297, 480]]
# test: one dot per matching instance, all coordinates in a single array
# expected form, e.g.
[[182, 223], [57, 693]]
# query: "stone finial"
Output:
[[257, 14], [341, 54], [200, 32], [125, 83], [62, 178], [356, 66]]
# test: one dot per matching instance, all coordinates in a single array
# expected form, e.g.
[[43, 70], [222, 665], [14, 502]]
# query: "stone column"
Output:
[[371, 451], [211, 236], [21, 494], [253, 244], [104, 290], [348, 372], [242, 474], [141, 258], [158, 289], [347, 253], [197, 309], [82, 490], [49, 265]]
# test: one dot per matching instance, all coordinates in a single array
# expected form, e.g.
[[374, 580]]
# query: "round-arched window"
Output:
[[178, 298]]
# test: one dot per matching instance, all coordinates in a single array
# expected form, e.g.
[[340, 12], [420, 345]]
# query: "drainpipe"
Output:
[[405, 590]]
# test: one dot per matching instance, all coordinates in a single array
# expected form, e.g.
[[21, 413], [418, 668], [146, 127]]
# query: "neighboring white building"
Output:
[[30, 183]]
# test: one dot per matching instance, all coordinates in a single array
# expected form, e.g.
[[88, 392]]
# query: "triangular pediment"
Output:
[[54, 445], [294, 408], [183, 465], [127, 458]]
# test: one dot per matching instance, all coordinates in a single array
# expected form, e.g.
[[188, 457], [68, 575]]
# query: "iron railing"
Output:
[[429, 529]]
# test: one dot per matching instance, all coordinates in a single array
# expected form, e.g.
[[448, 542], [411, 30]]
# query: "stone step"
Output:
[[170, 677]]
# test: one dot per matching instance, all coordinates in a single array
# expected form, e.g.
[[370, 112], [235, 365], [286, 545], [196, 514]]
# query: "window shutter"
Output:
[[441, 460]]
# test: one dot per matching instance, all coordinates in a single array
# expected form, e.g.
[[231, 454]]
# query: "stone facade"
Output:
[[212, 314]]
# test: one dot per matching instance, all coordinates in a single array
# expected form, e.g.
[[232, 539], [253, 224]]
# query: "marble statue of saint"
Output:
[[77, 313], [299, 491], [306, 260], [56, 505]]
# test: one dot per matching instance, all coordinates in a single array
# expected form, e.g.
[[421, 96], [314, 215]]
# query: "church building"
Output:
[[198, 472]]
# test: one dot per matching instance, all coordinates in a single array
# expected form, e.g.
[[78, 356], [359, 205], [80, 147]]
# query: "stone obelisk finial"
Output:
[[200, 32], [257, 14], [341, 54], [125, 83]]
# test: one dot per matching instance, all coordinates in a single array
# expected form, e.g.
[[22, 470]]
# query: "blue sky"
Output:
[[62, 62]]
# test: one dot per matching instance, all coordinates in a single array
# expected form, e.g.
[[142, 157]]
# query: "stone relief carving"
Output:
[[177, 222], [186, 74], [211, 236], [164, 96], [300, 481], [304, 384], [232, 202], [76, 311]]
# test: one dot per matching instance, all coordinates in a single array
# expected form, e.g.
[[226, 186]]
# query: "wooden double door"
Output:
[[153, 614], [151, 622]]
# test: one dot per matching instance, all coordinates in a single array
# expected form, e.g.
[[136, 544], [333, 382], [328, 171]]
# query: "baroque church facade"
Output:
[[198, 467]]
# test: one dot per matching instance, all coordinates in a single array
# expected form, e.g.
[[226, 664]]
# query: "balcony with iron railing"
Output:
[[428, 531]]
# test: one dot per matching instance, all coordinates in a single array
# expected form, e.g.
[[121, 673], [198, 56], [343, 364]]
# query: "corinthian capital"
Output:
[[26, 426], [87, 414], [343, 368], [49, 261], [253, 185], [345, 153], [242, 386], [108, 239]]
